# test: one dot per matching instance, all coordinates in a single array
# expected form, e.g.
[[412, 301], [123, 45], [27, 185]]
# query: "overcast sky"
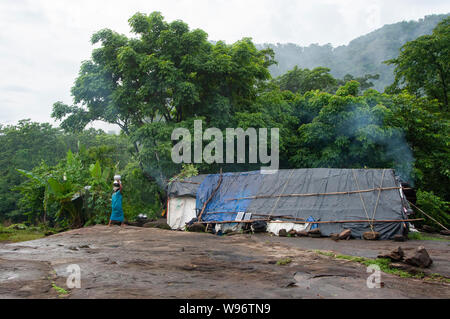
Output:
[[42, 42]]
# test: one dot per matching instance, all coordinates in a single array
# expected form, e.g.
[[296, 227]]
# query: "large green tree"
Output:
[[423, 66], [166, 74], [303, 80], [428, 133]]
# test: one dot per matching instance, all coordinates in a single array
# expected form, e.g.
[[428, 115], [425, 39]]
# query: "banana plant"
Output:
[[63, 193], [63, 182]]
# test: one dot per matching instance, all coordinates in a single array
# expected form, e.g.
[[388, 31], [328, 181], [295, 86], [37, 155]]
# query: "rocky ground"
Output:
[[154, 263]]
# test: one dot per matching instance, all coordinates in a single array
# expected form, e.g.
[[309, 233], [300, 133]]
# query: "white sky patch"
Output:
[[43, 42]]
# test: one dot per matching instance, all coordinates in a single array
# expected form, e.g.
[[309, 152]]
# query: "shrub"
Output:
[[435, 207]]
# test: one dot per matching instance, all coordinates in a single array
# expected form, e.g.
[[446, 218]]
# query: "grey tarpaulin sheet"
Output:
[[324, 208], [188, 187]]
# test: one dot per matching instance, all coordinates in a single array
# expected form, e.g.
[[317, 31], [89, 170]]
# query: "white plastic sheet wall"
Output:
[[275, 228], [181, 211]]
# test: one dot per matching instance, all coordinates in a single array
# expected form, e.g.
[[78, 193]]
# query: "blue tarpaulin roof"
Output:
[[233, 185], [232, 197]]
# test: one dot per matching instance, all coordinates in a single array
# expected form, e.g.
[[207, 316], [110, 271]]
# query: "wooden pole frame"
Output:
[[318, 194], [318, 222]]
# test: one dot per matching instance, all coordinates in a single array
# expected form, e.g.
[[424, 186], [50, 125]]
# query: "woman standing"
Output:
[[116, 200]]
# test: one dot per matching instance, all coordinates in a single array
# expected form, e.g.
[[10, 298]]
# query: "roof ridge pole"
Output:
[[318, 194]]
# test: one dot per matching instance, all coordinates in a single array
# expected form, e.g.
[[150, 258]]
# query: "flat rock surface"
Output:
[[439, 251], [135, 262]]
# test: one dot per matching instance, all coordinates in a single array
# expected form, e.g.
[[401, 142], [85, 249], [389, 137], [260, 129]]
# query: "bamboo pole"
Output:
[[212, 195], [188, 182], [318, 222], [234, 222], [352, 221], [428, 216], [264, 215], [316, 194]]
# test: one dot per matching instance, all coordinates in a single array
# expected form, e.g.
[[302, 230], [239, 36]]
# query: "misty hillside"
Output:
[[361, 56]]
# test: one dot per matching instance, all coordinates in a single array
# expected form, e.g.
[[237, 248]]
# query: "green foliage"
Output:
[[434, 206], [61, 291], [69, 192], [54, 186], [19, 233], [33, 203], [33, 146], [164, 76], [24, 145], [140, 194], [421, 236], [364, 81], [188, 170], [43, 193], [304, 80], [18, 227], [385, 266], [155, 151], [428, 133], [284, 261], [350, 131], [423, 66], [383, 263]]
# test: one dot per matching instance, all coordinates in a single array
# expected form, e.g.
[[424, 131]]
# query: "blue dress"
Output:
[[117, 211]]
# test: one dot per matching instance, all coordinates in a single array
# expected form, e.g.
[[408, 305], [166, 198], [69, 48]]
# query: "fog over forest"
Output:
[[363, 55]]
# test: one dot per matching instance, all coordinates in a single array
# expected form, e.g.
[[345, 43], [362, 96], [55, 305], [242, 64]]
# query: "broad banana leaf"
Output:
[[96, 171], [32, 176]]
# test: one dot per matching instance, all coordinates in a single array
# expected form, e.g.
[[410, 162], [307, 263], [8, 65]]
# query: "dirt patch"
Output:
[[154, 263]]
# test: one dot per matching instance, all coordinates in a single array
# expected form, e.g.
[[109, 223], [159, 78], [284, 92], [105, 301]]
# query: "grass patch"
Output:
[[20, 233], [385, 266], [383, 263], [438, 277], [325, 253], [61, 291], [352, 258], [284, 261], [421, 236]]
